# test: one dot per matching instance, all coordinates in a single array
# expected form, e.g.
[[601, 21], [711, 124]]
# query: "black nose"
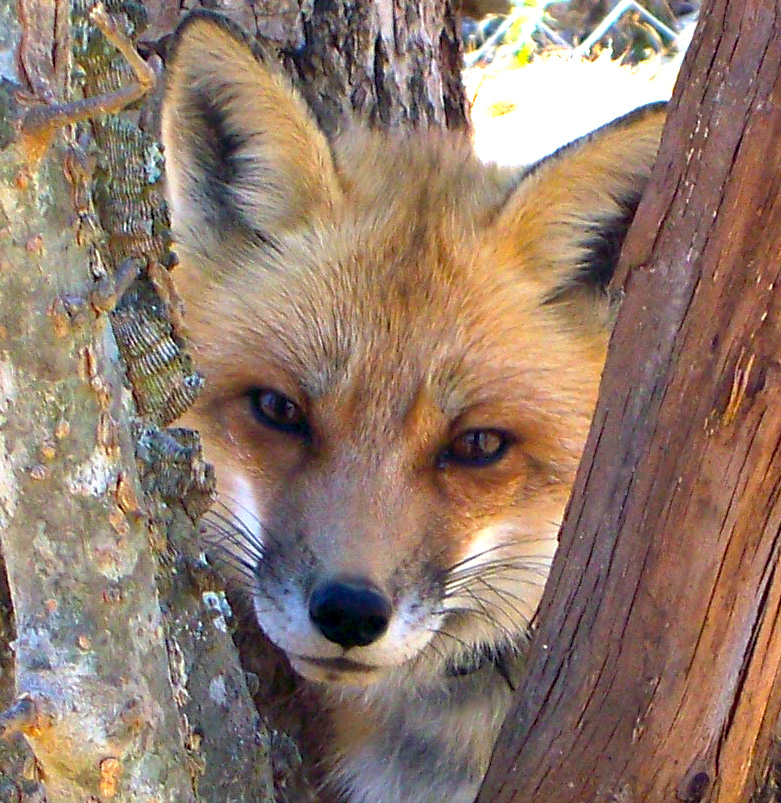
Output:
[[351, 614]]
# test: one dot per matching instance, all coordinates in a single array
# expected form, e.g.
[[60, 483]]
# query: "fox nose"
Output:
[[349, 613]]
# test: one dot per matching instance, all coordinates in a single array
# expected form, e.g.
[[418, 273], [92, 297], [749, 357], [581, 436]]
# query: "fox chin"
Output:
[[402, 349]]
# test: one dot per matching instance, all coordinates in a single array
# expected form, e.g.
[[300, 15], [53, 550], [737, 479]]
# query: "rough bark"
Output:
[[127, 684], [655, 672], [88, 651]]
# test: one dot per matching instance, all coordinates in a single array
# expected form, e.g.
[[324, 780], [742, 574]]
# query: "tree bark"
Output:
[[655, 671], [391, 64], [89, 659], [127, 684]]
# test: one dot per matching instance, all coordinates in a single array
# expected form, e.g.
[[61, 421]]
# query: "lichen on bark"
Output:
[[107, 615]]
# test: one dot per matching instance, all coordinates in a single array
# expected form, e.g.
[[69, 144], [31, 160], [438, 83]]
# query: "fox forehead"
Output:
[[380, 307]]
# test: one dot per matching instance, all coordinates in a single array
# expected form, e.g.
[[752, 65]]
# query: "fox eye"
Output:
[[277, 411], [475, 448]]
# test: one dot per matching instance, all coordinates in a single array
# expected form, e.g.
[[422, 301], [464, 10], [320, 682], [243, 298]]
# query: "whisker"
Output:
[[477, 556], [224, 555], [509, 568], [268, 535], [445, 634], [228, 527], [237, 529], [433, 646], [505, 599]]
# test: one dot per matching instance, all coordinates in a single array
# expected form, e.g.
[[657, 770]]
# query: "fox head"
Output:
[[402, 348]]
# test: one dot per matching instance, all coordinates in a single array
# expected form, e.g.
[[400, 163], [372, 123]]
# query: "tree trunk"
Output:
[[655, 671], [123, 677], [110, 691]]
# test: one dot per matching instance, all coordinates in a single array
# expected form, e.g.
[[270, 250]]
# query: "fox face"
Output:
[[402, 349]]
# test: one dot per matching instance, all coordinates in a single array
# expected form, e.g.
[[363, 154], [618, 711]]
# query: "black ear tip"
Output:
[[603, 250]]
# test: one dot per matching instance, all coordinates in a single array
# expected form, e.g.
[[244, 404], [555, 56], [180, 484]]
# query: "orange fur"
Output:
[[410, 305]]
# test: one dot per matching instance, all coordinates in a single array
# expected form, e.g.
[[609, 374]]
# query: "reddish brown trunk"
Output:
[[654, 675]]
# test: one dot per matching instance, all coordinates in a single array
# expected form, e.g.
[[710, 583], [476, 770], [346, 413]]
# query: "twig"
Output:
[[42, 121]]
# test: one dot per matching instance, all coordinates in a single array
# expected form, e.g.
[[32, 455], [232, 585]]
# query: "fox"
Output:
[[402, 348]]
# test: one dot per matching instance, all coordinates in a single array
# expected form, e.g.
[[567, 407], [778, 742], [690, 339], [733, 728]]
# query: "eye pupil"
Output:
[[277, 411], [278, 407], [476, 447]]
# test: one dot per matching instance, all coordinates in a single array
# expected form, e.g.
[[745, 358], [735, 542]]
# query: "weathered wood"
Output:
[[654, 674]]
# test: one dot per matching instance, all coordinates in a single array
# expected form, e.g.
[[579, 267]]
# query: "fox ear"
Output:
[[569, 215], [244, 154]]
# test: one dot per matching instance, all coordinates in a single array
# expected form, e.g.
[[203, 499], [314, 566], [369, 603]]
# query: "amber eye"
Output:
[[275, 410], [476, 447]]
